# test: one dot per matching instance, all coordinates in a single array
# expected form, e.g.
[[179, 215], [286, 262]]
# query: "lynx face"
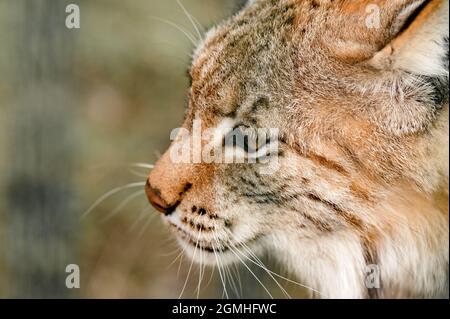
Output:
[[362, 136]]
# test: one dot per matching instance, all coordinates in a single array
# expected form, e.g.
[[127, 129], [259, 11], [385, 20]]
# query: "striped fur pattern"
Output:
[[363, 120]]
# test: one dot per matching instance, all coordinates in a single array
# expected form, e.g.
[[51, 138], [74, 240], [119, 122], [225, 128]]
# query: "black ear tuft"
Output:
[[440, 84], [446, 58], [438, 90]]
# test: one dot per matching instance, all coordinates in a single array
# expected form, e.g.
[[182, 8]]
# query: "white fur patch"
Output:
[[426, 52]]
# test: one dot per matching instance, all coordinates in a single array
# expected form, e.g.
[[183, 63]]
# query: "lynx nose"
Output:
[[154, 197]]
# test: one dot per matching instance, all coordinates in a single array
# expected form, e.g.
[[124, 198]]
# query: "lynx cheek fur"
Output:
[[362, 110]]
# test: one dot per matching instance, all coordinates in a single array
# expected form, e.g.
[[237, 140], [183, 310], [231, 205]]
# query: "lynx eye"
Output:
[[248, 139]]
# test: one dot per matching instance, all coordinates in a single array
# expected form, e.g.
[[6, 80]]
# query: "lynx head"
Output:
[[357, 93]]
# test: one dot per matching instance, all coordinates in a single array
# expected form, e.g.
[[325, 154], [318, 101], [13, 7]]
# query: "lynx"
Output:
[[358, 91]]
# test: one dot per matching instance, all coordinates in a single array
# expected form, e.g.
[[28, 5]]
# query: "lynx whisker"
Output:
[[261, 265], [137, 173], [232, 281], [123, 204], [210, 277], [224, 286], [190, 268], [146, 224], [251, 272], [200, 274], [203, 270], [238, 276], [191, 19], [188, 35], [276, 274], [256, 261], [109, 194], [144, 212], [142, 165], [180, 252], [173, 252], [180, 263]]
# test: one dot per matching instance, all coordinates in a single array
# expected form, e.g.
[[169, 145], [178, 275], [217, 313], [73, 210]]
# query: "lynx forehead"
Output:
[[362, 149]]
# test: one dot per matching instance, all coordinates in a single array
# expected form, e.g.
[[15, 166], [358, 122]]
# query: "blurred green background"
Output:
[[77, 107]]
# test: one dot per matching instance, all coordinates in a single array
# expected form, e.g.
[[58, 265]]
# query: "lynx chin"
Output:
[[362, 146]]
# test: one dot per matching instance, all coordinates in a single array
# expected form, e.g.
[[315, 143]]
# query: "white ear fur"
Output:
[[423, 49], [426, 52], [404, 15]]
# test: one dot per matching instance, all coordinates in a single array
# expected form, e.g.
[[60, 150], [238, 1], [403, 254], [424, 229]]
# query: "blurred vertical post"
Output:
[[41, 221]]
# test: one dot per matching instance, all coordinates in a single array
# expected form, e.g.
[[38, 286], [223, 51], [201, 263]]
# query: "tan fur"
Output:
[[363, 178]]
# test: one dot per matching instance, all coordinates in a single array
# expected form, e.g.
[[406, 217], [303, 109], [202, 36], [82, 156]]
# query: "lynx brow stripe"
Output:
[[349, 219], [323, 161]]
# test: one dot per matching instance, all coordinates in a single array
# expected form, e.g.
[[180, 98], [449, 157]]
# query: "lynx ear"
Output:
[[411, 35], [422, 47]]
